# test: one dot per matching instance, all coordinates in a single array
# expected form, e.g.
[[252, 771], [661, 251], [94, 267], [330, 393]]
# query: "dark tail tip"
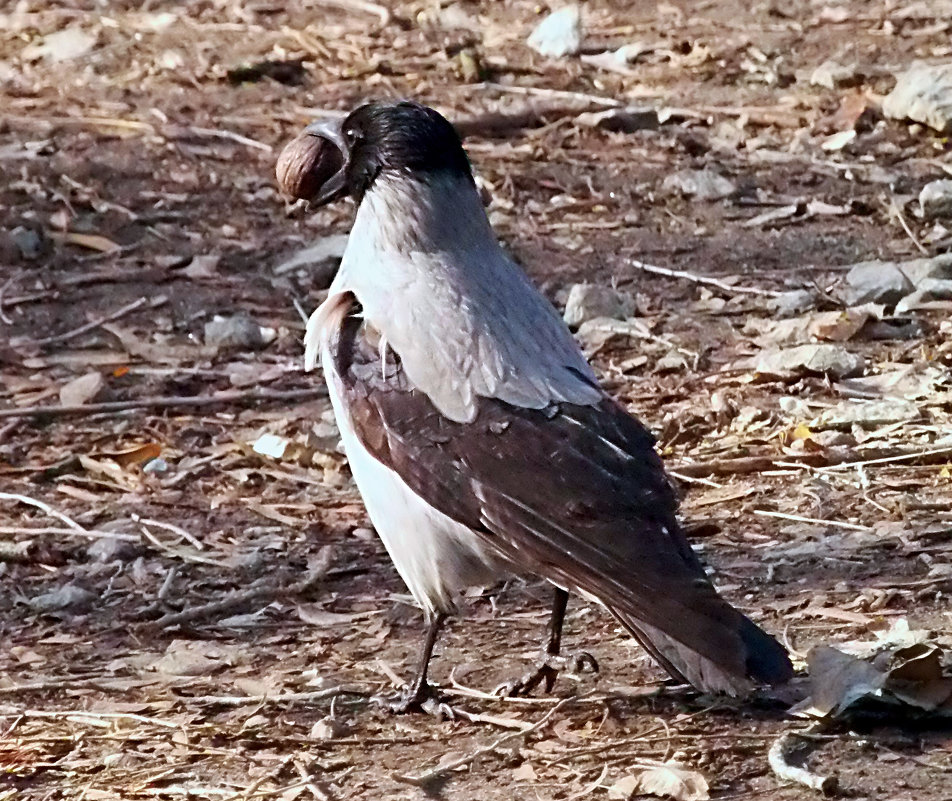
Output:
[[767, 660]]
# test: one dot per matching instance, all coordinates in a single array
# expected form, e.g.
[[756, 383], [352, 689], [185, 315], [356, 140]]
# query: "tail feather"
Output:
[[728, 654]]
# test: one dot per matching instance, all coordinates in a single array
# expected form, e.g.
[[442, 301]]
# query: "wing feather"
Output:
[[573, 493]]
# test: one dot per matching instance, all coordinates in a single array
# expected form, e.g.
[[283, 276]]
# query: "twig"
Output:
[[217, 133], [778, 757], [165, 402], [3, 315], [283, 698], [93, 324], [425, 778], [701, 279], [173, 528], [822, 462], [76, 715], [237, 598], [361, 5], [894, 208], [312, 787], [818, 521], [44, 507], [89, 533], [178, 553]]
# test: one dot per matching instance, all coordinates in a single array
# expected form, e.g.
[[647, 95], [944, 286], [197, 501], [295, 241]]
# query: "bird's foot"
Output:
[[546, 671], [414, 698]]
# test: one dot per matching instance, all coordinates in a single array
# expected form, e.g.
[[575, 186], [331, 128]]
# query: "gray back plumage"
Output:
[[424, 263]]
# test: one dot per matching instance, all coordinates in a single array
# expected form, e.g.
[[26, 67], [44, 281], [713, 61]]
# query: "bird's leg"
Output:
[[550, 662], [418, 695]]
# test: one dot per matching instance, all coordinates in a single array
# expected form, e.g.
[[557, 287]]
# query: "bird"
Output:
[[477, 433]]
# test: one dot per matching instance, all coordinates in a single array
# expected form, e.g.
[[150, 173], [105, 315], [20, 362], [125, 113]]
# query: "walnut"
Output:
[[306, 164]]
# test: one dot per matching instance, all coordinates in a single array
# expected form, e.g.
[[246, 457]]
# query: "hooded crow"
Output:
[[478, 435]]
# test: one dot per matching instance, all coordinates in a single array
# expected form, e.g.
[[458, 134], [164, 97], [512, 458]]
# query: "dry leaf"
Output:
[[673, 780], [92, 241], [82, 390], [525, 773]]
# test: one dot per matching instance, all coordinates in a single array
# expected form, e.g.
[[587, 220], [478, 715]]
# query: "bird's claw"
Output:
[[420, 698], [547, 670]]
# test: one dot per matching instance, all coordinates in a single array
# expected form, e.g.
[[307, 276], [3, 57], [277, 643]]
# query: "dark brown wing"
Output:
[[575, 494]]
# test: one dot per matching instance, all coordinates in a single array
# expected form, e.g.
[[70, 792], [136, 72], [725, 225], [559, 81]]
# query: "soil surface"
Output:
[[137, 202]]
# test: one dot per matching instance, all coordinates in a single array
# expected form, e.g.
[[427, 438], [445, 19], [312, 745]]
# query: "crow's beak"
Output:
[[336, 186]]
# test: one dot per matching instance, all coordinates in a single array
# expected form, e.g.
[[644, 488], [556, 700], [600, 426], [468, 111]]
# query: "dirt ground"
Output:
[[137, 201]]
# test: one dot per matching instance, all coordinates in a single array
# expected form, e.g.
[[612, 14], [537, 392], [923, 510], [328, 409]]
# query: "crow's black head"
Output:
[[381, 138]]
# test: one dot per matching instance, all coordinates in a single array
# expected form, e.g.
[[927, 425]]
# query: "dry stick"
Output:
[[238, 598], [701, 279], [284, 698], [361, 5], [818, 521], [89, 533], [93, 324], [422, 779], [218, 133], [814, 461], [44, 507], [778, 758], [164, 402]]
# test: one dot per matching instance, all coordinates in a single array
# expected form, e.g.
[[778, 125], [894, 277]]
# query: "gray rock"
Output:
[[237, 331], [699, 184], [923, 93], [321, 260], [111, 549], [935, 199], [876, 282], [830, 360], [69, 596], [29, 242], [61, 45], [831, 75], [868, 414], [929, 291], [790, 304], [919, 270], [590, 301], [559, 34]]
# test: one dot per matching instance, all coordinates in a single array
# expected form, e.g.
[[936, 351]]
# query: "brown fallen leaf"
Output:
[[91, 241]]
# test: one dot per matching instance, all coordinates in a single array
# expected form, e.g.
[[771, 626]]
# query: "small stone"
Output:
[[69, 596], [832, 75], [876, 282], [328, 728], [590, 301], [935, 199], [111, 549], [237, 331], [923, 93], [156, 466], [699, 184], [62, 45], [830, 360], [31, 243], [559, 34], [790, 304]]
